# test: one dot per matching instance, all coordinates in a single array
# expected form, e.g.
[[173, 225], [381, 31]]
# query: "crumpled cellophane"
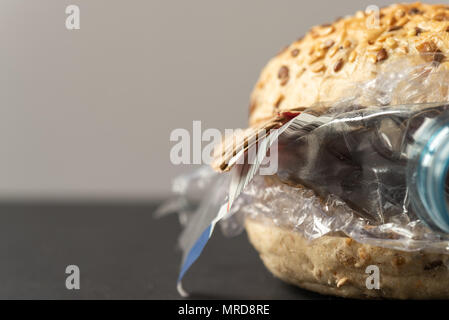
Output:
[[383, 216], [301, 210]]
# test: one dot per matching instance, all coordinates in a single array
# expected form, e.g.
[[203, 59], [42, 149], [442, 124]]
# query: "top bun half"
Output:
[[330, 58]]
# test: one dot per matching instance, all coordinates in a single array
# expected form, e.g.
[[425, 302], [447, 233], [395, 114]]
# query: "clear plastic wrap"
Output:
[[349, 173], [301, 210]]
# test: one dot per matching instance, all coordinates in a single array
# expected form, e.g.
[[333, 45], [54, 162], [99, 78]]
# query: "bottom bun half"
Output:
[[337, 265]]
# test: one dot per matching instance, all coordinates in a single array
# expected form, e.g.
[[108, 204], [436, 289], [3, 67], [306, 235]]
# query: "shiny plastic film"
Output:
[[372, 166]]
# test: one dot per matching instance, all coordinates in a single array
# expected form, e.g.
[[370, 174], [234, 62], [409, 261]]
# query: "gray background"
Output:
[[87, 114]]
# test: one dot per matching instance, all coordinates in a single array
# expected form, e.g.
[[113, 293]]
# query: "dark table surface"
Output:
[[122, 253]]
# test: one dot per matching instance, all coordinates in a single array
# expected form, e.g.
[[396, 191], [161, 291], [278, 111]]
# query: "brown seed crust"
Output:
[[319, 66]]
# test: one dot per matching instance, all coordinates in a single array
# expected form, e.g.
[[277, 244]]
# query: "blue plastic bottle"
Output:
[[427, 172]]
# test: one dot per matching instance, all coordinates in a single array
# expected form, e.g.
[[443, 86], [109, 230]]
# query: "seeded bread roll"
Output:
[[330, 58], [320, 68]]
